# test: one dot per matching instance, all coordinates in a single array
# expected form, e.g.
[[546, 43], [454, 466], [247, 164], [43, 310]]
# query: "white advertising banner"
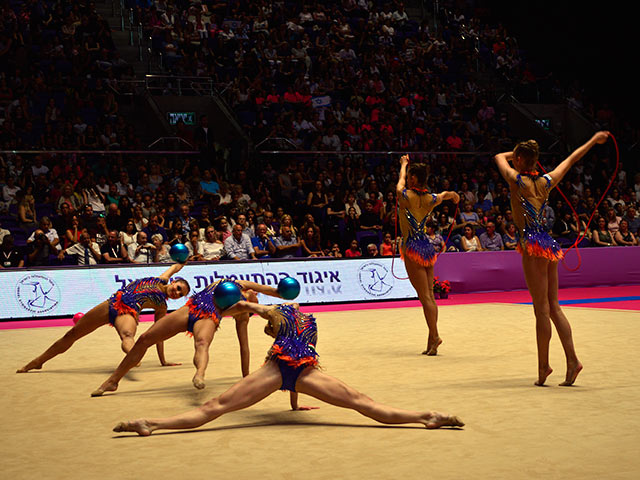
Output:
[[60, 292]]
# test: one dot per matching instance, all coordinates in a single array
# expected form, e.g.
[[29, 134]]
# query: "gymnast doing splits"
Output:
[[291, 364], [122, 311], [415, 207], [541, 253], [200, 317]]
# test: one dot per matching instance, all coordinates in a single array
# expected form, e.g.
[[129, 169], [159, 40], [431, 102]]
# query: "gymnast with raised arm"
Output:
[[200, 317], [541, 253], [122, 311], [415, 207], [291, 364]]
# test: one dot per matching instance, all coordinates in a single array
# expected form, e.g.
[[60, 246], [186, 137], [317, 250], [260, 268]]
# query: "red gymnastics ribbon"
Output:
[[577, 217], [393, 257]]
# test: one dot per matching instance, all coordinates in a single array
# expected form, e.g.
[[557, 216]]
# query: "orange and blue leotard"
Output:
[[294, 348], [533, 238], [201, 305], [139, 294], [416, 244]]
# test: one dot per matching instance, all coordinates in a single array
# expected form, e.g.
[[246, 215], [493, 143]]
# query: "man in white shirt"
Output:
[[141, 251], [85, 251], [212, 249]]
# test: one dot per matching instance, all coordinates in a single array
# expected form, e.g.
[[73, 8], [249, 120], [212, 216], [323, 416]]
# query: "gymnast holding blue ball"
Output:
[[201, 316]]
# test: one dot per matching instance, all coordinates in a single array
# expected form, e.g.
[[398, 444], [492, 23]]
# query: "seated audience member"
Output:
[[153, 227], [353, 250], [113, 218], [238, 245], [435, 238], [208, 186], [86, 251], [369, 220], [632, 217], [176, 233], [287, 245], [72, 235], [310, 242], [602, 237], [624, 236], [273, 228], [10, 255], [490, 240], [114, 250], [387, 247], [263, 246], [39, 250], [27, 219], [161, 253], [141, 251], [470, 241], [194, 245], [510, 237], [212, 247], [3, 233], [335, 251], [562, 225], [50, 233], [372, 250]]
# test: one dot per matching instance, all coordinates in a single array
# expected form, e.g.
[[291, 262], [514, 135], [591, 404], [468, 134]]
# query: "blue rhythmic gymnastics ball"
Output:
[[289, 288], [226, 294], [179, 252]]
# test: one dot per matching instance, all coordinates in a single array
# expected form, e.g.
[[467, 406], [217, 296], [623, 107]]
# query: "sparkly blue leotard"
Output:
[[533, 238], [295, 346], [201, 305], [416, 245], [135, 296]]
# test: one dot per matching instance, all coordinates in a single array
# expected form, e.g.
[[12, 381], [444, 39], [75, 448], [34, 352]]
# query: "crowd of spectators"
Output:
[[59, 70], [343, 76]]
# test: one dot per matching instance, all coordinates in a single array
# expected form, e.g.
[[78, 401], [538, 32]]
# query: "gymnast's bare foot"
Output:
[[572, 373], [436, 420], [105, 387], [32, 365], [198, 382], [432, 346], [543, 373], [141, 427]]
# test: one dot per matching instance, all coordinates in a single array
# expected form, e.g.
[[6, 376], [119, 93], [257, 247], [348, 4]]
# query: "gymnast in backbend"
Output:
[[199, 317], [122, 311], [291, 364], [540, 252]]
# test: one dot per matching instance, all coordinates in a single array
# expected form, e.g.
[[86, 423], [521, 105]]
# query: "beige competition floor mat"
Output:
[[484, 374]]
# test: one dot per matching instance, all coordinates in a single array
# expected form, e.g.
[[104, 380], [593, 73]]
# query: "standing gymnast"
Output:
[[416, 205], [122, 310], [200, 317], [540, 252], [291, 364]]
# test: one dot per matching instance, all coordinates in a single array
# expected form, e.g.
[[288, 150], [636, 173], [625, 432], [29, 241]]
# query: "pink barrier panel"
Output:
[[502, 271]]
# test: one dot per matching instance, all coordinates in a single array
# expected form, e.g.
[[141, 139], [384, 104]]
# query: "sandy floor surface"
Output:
[[484, 374]]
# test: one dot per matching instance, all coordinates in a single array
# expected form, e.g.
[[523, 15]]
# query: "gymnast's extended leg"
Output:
[[167, 327], [331, 390], [248, 391], [90, 321]]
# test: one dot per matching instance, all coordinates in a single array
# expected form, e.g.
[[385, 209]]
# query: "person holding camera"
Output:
[[86, 251], [141, 251], [39, 249]]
